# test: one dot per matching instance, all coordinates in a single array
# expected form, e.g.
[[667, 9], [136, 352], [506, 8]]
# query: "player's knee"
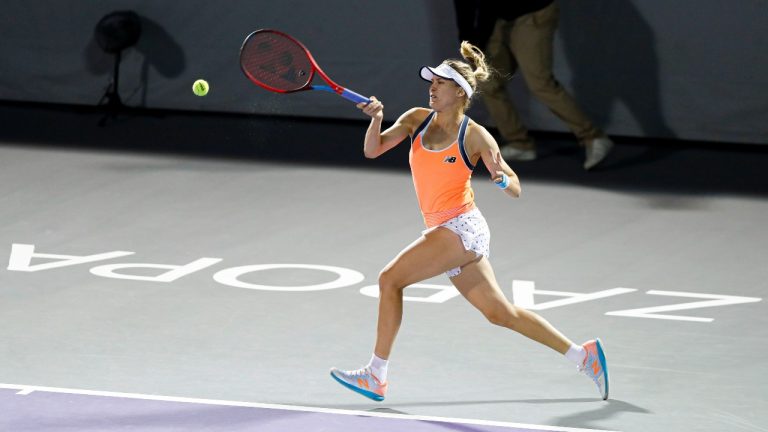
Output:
[[502, 315], [388, 282], [496, 317]]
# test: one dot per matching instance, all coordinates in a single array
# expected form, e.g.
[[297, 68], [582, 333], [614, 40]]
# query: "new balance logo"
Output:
[[449, 159]]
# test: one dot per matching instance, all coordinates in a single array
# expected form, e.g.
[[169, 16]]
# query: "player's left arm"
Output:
[[481, 142]]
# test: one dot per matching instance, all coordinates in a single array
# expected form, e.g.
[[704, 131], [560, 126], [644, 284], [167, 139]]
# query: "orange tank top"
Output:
[[441, 177]]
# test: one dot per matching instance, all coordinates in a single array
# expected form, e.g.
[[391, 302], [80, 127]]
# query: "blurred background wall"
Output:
[[653, 68]]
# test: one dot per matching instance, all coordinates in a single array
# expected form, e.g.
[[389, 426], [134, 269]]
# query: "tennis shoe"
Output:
[[595, 366], [361, 381], [513, 153], [597, 149]]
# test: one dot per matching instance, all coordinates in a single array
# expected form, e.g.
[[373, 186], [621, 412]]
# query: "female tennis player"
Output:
[[445, 147]]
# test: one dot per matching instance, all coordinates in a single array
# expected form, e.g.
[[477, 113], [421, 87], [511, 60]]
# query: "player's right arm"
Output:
[[377, 142]]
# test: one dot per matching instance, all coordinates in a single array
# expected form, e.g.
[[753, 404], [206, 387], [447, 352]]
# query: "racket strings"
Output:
[[276, 61]]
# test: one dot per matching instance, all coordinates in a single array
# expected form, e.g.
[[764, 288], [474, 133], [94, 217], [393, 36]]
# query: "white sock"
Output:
[[576, 354], [379, 367]]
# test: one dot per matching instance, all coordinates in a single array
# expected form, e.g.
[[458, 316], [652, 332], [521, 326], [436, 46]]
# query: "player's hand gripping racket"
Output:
[[279, 63]]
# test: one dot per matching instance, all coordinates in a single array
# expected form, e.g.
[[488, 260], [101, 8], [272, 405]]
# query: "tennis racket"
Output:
[[277, 62]]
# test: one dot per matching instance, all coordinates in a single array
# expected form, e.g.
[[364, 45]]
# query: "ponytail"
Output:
[[474, 69]]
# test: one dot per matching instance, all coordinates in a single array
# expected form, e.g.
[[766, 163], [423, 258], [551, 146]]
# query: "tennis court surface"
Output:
[[181, 271]]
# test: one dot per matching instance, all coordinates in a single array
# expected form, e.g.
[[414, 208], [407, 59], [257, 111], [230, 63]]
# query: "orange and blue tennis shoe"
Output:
[[595, 366], [361, 381]]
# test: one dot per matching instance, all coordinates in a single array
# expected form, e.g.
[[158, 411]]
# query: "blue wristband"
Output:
[[504, 182]]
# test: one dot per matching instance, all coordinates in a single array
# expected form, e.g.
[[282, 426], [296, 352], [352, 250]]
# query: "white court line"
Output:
[[27, 389]]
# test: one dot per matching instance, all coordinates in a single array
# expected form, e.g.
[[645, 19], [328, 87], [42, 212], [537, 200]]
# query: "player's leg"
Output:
[[436, 252], [477, 283]]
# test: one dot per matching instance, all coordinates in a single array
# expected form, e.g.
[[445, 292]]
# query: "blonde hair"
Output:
[[475, 70]]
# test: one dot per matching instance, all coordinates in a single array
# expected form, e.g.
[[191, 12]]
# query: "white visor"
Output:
[[447, 72]]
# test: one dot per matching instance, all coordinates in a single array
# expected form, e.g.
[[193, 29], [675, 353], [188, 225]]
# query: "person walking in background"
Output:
[[519, 35]]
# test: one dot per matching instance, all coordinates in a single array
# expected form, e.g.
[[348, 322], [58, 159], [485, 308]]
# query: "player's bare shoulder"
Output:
[[478, 138], [418, 114], [412, 118]]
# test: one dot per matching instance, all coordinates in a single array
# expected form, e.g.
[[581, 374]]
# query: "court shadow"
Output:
[[391, 407], [592, 417], [387, 411], [620, 158], [687, 173], [648, 156], [599, 410]]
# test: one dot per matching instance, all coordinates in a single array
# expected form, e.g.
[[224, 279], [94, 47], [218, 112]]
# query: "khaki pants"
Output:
[[527, 43]]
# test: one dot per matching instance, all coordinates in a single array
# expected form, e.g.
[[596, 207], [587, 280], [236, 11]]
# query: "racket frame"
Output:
[[332, 86]]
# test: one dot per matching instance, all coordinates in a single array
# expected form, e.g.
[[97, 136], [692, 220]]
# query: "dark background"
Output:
[[694, 71]]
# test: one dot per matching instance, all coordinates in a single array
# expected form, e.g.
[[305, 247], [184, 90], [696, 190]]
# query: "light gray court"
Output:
[[138, 262]]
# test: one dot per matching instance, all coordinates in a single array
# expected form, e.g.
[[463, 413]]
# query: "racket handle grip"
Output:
[[354, 97]]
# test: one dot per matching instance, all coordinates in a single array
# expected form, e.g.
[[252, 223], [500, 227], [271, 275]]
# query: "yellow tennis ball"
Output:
[[200, 87]]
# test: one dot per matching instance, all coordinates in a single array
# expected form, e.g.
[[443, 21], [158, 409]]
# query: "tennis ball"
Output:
[[200, 87]]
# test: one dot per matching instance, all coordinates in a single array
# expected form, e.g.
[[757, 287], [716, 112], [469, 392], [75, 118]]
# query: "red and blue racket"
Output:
[[279, 63]]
